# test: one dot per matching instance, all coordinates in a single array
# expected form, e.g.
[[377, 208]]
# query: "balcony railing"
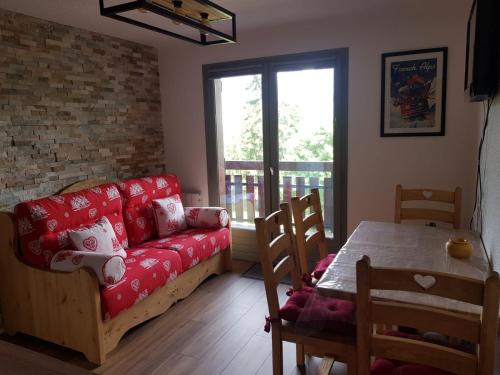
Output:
[[245, 187]]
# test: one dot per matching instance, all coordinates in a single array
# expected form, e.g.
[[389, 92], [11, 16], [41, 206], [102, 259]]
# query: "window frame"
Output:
[[268, 67]]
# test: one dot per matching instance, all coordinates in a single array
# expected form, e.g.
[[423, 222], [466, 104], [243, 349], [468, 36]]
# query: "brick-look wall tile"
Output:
[[73, 105]]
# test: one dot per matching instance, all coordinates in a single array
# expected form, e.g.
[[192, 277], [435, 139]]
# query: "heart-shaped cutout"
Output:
[[427, 194], [426, 282], [90, 243]]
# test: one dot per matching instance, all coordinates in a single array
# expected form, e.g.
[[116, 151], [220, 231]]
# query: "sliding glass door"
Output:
[[276, 127], [240, 117], [305, 136]]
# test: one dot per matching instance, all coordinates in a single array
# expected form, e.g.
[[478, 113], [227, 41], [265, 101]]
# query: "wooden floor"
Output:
[[216, 330]]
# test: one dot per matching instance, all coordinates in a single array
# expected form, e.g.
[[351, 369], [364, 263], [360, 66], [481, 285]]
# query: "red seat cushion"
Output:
[[138, 195], [322, 265], [194, 245], [43, 224], [382, 366], [308, 309], [147, 270]]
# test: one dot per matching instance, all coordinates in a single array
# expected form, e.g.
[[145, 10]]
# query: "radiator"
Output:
[[190, 199]]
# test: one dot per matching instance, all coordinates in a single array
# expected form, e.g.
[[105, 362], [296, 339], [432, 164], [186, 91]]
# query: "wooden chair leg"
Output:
[[277, 353], [352, 366], [326, 365], [300, 354]]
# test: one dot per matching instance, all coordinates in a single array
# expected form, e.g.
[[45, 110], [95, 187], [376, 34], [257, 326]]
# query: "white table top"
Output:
[[403, 246]]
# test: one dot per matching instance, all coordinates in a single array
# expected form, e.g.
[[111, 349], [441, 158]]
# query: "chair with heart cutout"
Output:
[[452, 199], [470, 340], [323, 327]]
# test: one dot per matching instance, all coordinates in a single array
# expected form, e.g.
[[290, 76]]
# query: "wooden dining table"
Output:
[[404, 246]]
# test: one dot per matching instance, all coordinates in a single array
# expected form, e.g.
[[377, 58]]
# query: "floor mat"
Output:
[[255, 272]]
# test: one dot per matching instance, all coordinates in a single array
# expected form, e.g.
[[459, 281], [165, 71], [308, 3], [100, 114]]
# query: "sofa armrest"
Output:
[[206, 217], [29, 296]]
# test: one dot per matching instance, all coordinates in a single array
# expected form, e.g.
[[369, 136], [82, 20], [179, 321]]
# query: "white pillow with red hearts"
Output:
[[98, 237], [169, 215], [109, 269]]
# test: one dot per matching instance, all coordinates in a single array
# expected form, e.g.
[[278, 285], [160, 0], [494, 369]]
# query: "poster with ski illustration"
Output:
[[413, 93]]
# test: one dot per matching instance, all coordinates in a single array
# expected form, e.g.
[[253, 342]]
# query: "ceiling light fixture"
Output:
[[201, 15]]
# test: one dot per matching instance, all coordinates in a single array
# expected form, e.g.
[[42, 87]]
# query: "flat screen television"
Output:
[[482, 70]]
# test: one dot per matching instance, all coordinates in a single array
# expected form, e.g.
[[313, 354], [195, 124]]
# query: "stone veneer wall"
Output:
[[74, 105]]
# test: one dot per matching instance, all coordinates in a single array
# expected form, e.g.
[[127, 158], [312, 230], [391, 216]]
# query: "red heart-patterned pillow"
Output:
[[169, 215]]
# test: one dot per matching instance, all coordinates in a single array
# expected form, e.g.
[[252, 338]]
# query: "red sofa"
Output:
[[159, 271]]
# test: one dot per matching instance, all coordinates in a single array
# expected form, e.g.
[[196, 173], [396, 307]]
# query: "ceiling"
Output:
[[251, 14]]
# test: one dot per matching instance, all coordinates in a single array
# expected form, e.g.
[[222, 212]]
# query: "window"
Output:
[[277, 127]]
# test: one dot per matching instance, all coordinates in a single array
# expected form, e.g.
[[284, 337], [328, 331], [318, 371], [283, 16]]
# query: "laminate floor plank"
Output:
[[177, 364], [218, 329], [250, 358], [16, 360]]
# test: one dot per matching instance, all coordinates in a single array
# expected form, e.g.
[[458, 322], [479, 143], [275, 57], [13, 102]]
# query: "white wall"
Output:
[[491, 186], [375, 165]]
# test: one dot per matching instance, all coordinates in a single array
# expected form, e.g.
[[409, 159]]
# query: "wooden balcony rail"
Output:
[[244, 190]]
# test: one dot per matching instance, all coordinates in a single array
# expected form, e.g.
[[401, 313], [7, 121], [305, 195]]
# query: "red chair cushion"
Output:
[[194, 245], [322, 265], [138, 195], [382, 366], [309, 310], [43, 224], [147, 270]]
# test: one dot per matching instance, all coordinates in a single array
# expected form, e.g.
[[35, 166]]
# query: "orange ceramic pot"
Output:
[[459, 248]]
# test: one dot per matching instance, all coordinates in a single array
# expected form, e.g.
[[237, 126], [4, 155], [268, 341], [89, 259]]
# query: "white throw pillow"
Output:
[[169, 215], [98, 237]]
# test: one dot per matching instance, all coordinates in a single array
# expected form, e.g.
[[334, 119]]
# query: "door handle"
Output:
[[271, 170]]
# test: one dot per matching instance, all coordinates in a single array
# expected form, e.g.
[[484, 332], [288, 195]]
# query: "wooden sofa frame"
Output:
[[65, 308]]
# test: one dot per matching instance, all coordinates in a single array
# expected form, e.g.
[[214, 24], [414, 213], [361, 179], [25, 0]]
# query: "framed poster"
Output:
[[413, 93]]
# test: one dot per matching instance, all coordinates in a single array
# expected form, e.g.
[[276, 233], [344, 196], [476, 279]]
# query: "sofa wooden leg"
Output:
[[9, 331], [95, 356], [228, 259]]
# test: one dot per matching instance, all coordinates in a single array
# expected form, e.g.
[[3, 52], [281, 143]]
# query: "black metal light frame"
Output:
[[115, 10]]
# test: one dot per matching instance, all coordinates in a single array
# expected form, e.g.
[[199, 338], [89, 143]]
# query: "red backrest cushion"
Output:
[[138, 195], [43, 223]]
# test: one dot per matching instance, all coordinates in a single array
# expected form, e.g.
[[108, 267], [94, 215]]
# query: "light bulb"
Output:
[[205, 22], [177, 10]]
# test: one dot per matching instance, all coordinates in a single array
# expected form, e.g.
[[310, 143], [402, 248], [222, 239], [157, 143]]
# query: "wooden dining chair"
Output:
[[453, 198], [306, 243], [276, 244], [419, 355]]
